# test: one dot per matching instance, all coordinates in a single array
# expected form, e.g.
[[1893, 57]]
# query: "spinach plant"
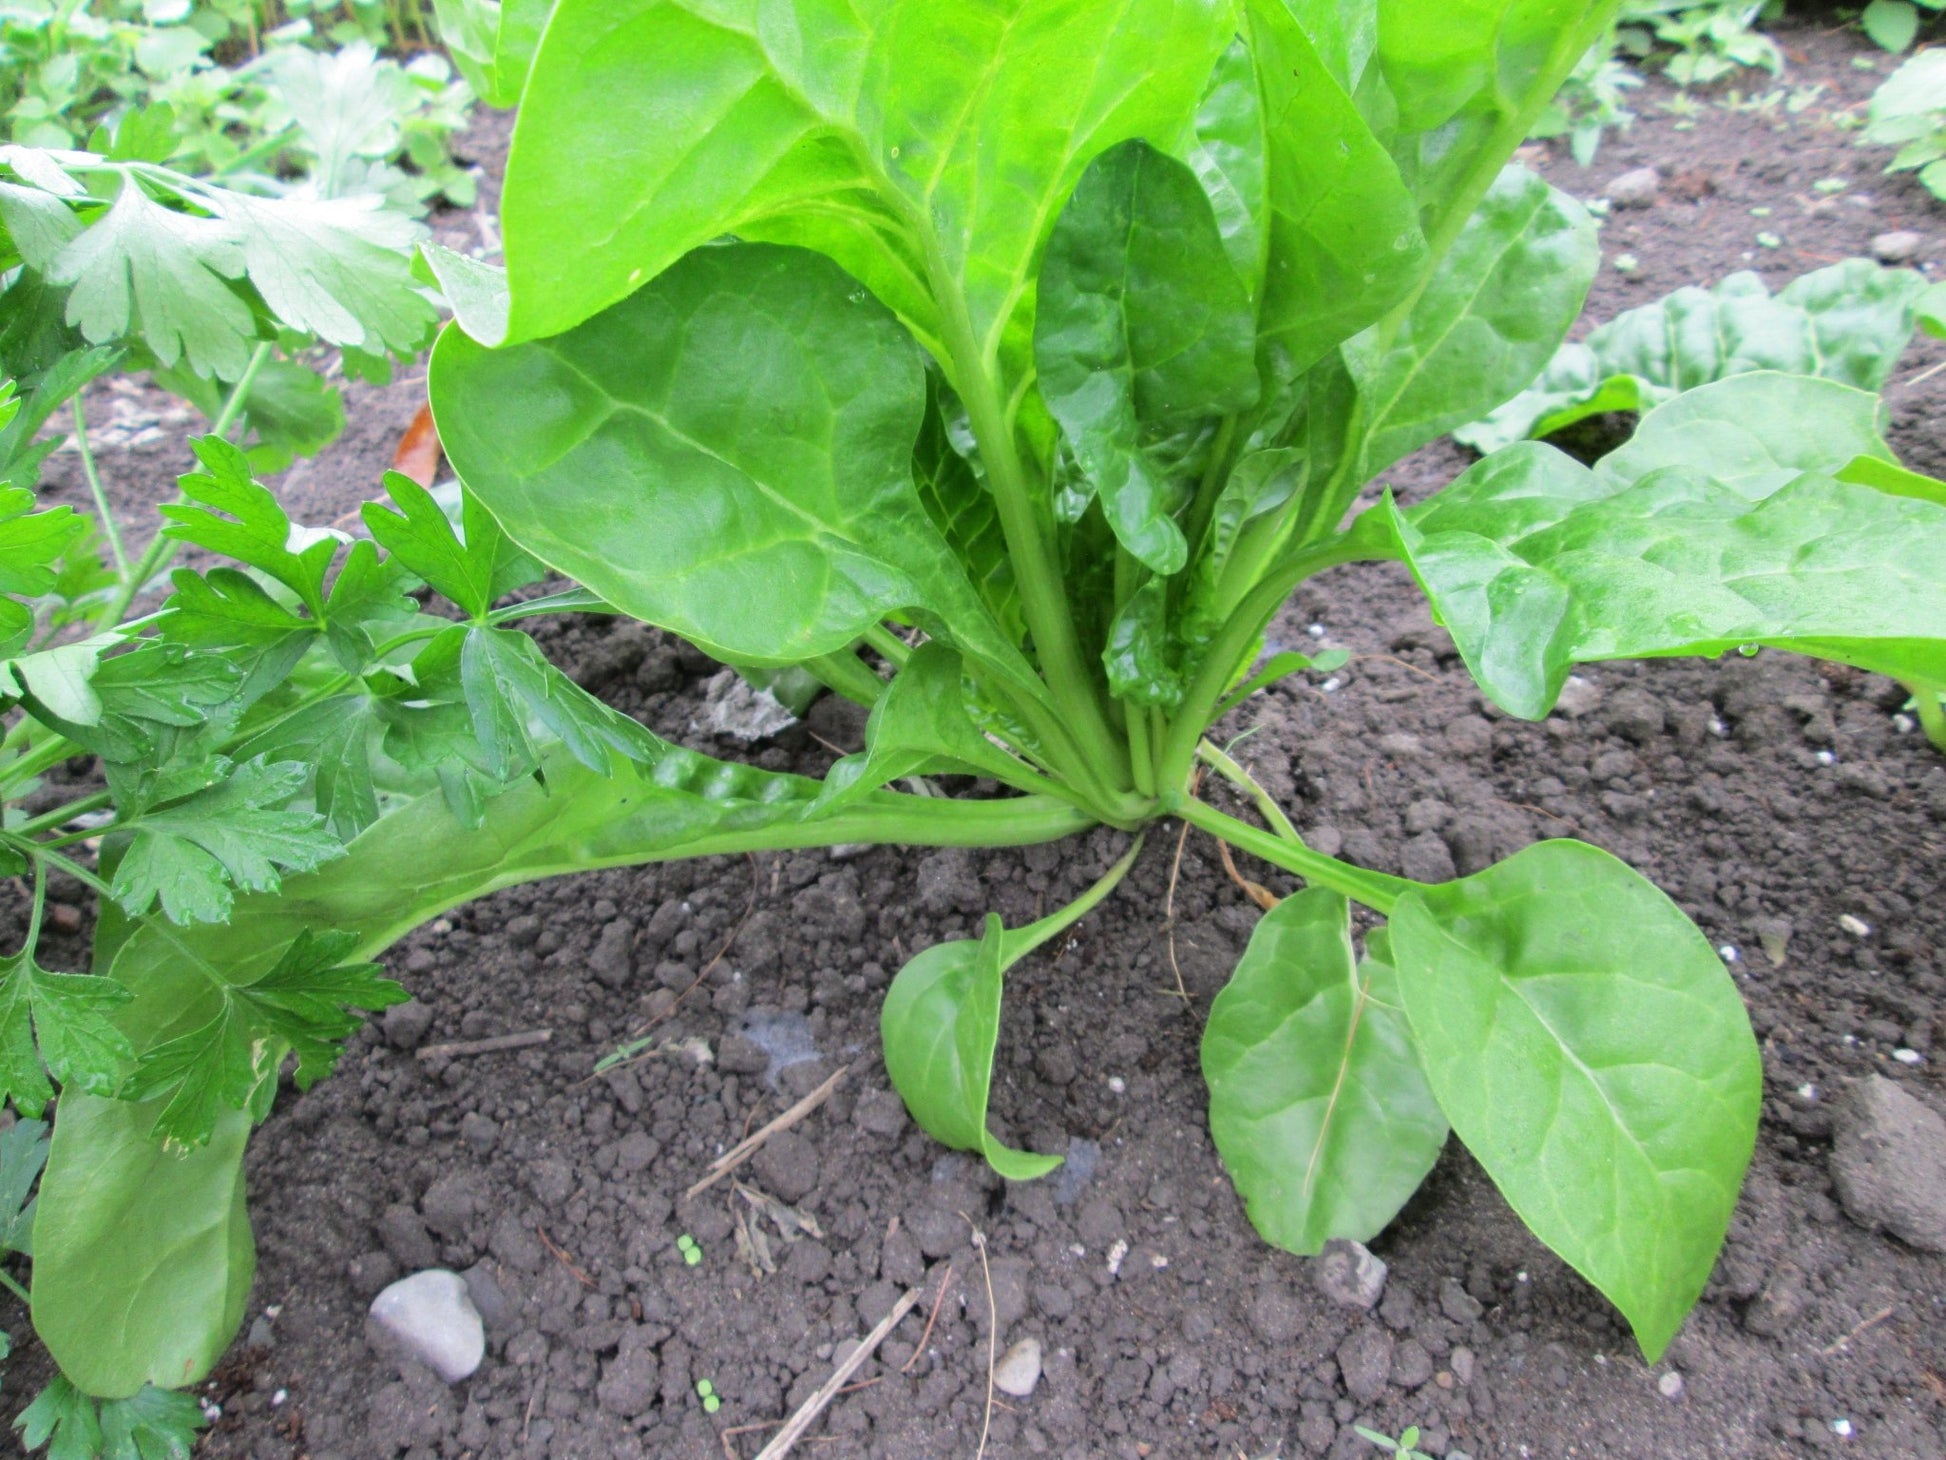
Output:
[[1005, 367]]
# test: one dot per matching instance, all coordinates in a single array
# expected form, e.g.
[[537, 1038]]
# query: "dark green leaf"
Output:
[[1260, 485], [963, 509], [237, 833], [237, 517], [1142, 655], [1588, 1046], [143, 1257], [940, 1021], [643, 480], [1317, 1103], [30, 542], [1231, 161], [1142, 326], [1488, 319], [422, 537], [333, 737]]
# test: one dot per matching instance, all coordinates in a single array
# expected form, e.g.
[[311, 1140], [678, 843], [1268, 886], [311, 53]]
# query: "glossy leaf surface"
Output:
[[1588, 1046], [1317, 1103], [1143, 325]]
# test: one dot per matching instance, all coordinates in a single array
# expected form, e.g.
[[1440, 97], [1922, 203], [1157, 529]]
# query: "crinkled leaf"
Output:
[[235, 834], [899, 131], [147, 271], [1488, 319], [962, 508], [940, 1022], [1230, 156], [1142, 326], [1536, 563], [333, 738], [60, 1021], [643, 479], [1317, 1102], [1142, 655], [1847, 323], [143, 1256], [1588, 1046]]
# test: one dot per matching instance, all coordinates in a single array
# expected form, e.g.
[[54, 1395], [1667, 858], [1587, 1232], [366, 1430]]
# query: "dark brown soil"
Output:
[[1761, 793]]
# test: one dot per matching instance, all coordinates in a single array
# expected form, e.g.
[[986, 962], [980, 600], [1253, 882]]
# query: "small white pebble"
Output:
[[1316, 631], [1076, 1249], [1807, 1092], [1825, 757], [1904, 724], [1334, 683], [1728, 953], [1908, 1056], [1841, 1428], [279, 1397], [1117, 1085], [1521, 1276], [1116, 1255], [212, 1411], [1158, 1261], [1851, 1039], [1718, 728], [1857, 927], [441, 925], [1669, 1386]]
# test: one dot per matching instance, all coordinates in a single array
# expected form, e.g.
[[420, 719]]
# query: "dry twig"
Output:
[[1255, 891], [744, 1149], [993, 1335], [1838, 1344], [829, 1389], [494, 1045], [939, 1299]]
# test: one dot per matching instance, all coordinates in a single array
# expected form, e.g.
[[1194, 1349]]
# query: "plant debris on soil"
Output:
[[1783, 804]]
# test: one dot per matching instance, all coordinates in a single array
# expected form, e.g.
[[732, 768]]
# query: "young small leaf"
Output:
[[1588, 1046], [1317, 1103], [939, 1023], [23, 1152], [506, 679], [235, 834], [30, 543], [237, 517], [422, 537]]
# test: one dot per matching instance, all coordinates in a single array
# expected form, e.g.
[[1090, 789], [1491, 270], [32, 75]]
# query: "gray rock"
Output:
[[1347, 1273], [1411, 1364], [613, 960], [1456, 1303], [1365, 1361], [1639, 187], [407, 1024], [1636, 715], [731, 707], [1898, 247], [1578, 697], [431, 1317], [1019, 1369], [1888, 1163]]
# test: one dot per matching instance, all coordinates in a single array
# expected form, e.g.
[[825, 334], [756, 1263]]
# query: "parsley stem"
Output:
[[161, 549], [13, 1287], [109, 529], [62, 814]]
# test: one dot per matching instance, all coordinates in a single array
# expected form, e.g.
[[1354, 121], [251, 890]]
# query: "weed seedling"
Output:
[[706, 1391], [1405, 1447], [691, 1253]]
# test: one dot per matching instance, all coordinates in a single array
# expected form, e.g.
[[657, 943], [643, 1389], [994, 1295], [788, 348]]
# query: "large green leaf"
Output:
[[1344, 238], [940, 1021], [1143, 328], [1488, 319], [1317, 1103], [726, 453], [1536, 563], [493, 43], [1755, 432], [926, 147], [1588, 1046], [143, 1258], [1848, 323]]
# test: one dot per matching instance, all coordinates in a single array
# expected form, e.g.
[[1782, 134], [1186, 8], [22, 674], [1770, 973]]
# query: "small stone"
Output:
[[613, 960], [731, 707], [407, 1024], [1578, 697], [1898, 247], [1669, 1386], [1349, 1274], [1888, 1163], [1019, 1369], [1856, 926], [1639, 187], [1635, 714], [431, 1317], [1365, 1361], [1462, 1362], [1456, 1303], [1411, 1364]]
